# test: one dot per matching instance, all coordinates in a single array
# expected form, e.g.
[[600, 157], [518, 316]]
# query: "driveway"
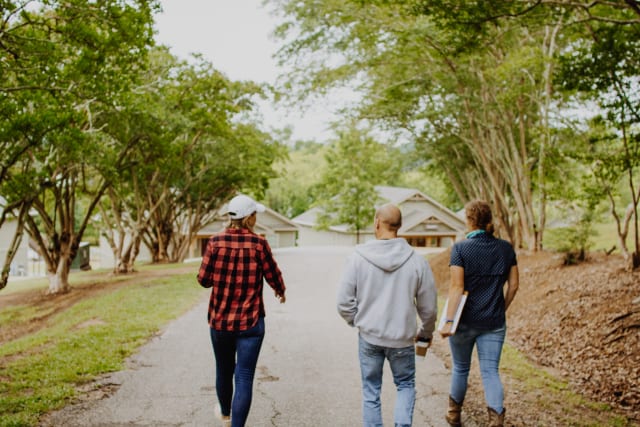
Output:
[[307, 374]]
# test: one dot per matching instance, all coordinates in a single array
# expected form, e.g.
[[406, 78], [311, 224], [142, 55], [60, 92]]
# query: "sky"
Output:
[[234, 35]]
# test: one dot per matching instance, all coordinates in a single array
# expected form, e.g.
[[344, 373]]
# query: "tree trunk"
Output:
[[11, 253], [623, 231], [635, 262], [129, 248], [59, 279], [497, 140], [162, 255], [15, 244], [550, 45], [124, 264]]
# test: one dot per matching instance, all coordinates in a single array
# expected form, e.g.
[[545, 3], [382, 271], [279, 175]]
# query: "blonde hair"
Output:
[[479, 215], [241, 222]]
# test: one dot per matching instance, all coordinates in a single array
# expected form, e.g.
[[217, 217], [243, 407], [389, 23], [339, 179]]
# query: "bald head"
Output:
[[388, 221]]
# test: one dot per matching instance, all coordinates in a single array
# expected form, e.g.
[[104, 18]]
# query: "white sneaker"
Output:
[[225, 419]]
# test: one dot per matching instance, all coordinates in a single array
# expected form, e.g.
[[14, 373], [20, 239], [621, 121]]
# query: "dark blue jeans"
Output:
[[236, 356]]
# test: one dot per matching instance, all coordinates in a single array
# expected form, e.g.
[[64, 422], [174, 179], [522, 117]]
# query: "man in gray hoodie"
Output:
[[385, 288]]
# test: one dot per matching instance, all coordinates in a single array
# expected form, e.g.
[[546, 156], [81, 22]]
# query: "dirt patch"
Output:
[[91, 322], [581, 323]]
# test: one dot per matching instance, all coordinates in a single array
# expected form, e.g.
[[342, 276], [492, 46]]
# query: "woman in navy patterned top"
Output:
[[234, 266], [480, 265]]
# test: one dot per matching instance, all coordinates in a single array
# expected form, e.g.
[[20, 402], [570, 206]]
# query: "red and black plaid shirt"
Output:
[[234, 265]]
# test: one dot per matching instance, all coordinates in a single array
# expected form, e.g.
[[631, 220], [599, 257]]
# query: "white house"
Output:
[[102, 256], [279, 231], [425, 222], [20, 264]]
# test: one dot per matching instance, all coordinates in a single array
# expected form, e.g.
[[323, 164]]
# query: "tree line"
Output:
[[529, 104], [100, 125]]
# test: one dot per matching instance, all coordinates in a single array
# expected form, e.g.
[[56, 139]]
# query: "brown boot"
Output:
[[495, 419], [453, 413]]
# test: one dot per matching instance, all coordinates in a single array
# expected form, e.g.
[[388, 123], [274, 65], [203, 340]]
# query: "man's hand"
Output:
[[429, 341]]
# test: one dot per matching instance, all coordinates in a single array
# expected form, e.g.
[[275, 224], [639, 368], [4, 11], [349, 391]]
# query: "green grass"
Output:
[[15, 315], [79, 278], [23, 285], [603, 238], [39, 372], [606, 237]]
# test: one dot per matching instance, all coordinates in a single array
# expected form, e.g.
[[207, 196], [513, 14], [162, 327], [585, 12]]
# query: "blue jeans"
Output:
[[236, 356], [403, 367], [489, 348]]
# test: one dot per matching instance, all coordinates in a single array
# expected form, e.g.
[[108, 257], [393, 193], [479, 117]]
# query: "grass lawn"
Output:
[[603, 238], [40, 371], [606, 237]]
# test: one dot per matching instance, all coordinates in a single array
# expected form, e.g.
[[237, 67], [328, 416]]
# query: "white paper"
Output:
[[456, 318]]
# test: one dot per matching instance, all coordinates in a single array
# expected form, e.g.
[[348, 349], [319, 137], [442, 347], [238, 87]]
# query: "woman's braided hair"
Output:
[[479, 216]]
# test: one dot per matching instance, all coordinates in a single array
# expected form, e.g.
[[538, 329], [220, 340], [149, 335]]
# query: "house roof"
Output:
[[307, 218], [416, 207], [397, 195]]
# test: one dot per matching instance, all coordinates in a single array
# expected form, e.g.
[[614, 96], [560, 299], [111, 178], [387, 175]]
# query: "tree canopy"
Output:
[[62, 65], [89, 108], [484, 90], [356, 163]]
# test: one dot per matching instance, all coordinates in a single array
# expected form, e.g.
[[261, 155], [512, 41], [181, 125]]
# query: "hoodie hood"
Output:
[[388, 255]]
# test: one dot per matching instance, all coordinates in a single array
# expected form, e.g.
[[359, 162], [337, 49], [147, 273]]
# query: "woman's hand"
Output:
[[446, 330]]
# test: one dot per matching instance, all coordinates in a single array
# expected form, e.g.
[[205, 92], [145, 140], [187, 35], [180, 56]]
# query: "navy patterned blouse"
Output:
[[486, 261]]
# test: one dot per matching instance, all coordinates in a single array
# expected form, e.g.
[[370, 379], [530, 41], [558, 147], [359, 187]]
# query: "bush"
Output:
[[574, 241]]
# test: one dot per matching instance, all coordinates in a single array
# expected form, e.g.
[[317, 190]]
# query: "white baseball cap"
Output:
[[241, 206]]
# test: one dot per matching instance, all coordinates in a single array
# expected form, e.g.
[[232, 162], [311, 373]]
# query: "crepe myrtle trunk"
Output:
[[159, 242], [58, 269], [125, 262]]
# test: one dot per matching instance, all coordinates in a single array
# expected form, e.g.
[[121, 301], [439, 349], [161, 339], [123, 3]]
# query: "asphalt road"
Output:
[[307, 374]]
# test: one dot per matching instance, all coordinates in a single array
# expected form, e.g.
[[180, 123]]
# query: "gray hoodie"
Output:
[[384, 286]]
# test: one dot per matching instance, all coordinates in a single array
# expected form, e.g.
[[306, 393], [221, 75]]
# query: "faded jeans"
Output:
[[489, 347], [403, 367], [236, 356]]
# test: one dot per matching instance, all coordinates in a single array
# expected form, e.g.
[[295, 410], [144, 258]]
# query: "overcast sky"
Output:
[[234, 35]]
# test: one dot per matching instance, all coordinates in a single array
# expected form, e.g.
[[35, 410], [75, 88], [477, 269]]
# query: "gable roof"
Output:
[[307, 218], [275, 221], [416, 208]]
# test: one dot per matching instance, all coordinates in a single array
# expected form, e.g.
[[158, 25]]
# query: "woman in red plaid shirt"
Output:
[[234, 265]]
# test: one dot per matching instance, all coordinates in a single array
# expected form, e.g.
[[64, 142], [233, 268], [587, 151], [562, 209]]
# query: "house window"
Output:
[[416, 242], [433, 242], [424, 241]]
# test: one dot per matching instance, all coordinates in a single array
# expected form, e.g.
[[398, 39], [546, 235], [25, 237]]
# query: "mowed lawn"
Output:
[[56, 343]]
